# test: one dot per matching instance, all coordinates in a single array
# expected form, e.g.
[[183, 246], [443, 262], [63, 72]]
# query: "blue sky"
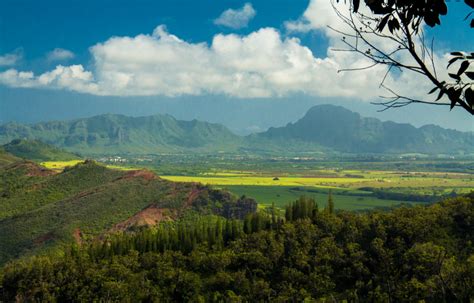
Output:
[[32, 30], [40, 26]]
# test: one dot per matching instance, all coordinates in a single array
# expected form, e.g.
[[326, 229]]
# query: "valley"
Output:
[[356, 184], [169, 188]]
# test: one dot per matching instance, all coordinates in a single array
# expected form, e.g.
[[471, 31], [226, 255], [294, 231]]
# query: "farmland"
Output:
[[351, 189], [354, 185]]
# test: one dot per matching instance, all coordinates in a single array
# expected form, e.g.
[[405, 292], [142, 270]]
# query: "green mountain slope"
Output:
[[324, 128], [113, 134], [42, 210], [334, 127], [37, 151], [6, 158]]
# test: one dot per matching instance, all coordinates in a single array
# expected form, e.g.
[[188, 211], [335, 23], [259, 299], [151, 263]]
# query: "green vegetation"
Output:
[[336, 128], [36, 150], [324, 129], [6, 158], [409, 254], [281, 195], [42, 210], [115, 134]]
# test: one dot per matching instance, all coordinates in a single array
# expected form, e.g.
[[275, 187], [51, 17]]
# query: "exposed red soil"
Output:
[[77, 234], [193, 194], [150, 216]]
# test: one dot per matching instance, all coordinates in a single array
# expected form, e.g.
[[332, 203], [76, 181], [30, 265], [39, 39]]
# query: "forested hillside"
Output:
[[6, 158], [403, 255], [43, 210]]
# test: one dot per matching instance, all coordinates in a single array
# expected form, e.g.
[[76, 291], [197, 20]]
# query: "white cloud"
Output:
[[11, 58], [60, 54], [261, 64], [236, 18], [72, 77]]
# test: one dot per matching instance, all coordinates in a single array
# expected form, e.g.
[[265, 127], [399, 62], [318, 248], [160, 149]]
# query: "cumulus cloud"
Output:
[[11, 59], [73, 78], [60, 54], [236, 18], [263, 63]]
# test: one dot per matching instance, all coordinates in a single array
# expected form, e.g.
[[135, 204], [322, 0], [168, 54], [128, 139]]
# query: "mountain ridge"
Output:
[[346, 131], [324, 128]]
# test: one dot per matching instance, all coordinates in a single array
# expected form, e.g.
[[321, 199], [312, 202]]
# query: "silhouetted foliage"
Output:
[[404, 21]]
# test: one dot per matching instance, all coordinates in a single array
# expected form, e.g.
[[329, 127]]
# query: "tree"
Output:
[[330, 205], [399, 24]]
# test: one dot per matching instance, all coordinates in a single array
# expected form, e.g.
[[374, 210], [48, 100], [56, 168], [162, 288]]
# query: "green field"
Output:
[[282, 195], [352, 189]]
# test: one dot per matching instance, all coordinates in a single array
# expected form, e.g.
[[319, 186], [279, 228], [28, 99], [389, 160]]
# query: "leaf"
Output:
[[453, 60], [454, 95], [440, 95], [453, 104], [470, 75], [382, 23], [429, 20], [393, 24], [454, 76], [356, 5], [443, 9], [470, 3], [463, 67], [433, 90]]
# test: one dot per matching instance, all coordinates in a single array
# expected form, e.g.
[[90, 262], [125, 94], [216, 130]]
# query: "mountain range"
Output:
[[324, 128]]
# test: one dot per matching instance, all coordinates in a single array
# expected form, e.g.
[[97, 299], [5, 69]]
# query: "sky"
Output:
[[238, 51]]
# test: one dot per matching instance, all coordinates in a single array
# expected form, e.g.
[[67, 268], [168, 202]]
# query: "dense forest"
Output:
[[406, 254]]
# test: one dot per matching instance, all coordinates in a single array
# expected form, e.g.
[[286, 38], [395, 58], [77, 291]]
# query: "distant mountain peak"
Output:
[[340, 129]]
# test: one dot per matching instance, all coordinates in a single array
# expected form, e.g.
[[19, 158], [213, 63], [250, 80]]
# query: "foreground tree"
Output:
[[391, 33]]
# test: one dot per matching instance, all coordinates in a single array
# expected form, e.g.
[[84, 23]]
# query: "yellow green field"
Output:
[[364, 179], [60, 165]]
